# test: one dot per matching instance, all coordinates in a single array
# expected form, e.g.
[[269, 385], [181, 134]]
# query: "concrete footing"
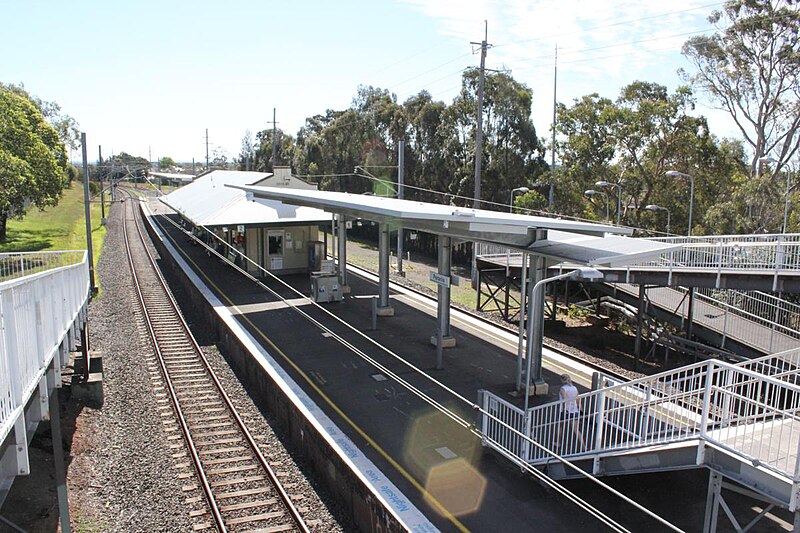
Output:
[[385, 311], [447, 342], [88, 386]]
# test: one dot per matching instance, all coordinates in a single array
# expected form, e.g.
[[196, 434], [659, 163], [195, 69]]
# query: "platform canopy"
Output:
[[208, 202], [562, 240]]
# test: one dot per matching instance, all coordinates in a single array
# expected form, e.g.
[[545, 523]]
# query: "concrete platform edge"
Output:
[[380, 487]]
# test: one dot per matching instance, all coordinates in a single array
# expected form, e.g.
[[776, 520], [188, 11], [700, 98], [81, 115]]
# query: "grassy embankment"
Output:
[[62, 227]]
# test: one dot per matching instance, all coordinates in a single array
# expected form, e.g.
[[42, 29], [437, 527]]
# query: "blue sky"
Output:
[[153, 75]]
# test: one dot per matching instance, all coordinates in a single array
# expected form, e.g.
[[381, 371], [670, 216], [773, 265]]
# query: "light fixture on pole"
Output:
[[619, 195], [654, 207], [676, 174], [592, 192], [535, 305], [772, 160], [521, 190]]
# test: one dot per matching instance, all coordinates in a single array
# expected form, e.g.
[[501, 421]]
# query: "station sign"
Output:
[[440, 279]]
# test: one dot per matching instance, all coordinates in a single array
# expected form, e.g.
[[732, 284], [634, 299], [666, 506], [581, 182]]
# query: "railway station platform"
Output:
[[430, 470]]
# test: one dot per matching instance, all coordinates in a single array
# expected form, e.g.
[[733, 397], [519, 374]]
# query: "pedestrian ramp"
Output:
[[731, 419]]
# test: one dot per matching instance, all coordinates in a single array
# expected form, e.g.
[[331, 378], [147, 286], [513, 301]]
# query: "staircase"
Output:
[[730, 418]]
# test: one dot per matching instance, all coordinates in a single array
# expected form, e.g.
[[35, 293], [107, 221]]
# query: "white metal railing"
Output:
[[19, 264], [782, 365], [782, 313], [755, 417], [36, 313], [773, 253]]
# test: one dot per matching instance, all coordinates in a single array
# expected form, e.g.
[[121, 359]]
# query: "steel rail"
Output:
[[276, 483]]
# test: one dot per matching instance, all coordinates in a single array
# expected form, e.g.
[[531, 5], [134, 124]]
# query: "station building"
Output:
[[281, 238]]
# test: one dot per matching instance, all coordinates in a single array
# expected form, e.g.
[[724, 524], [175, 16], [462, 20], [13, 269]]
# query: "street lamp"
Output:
[[592, 192], [654, 207], [772, 160], [619, 195], [535, 304], [676, 174], [521, 190]]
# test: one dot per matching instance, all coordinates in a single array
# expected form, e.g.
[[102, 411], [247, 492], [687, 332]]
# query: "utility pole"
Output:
[[87, 214], [550, 196], [479, 144], [206, 148], [274, 141], [400, 177], [100, 177], [150, 157], [193, 171], [479, 131]]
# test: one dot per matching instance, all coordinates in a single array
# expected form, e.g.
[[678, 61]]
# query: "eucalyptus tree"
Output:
[[750, 67]]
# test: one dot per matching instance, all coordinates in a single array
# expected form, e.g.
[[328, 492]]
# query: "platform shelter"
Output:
[[279, 237]]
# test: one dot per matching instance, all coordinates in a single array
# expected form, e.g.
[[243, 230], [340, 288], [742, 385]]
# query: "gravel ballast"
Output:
[[123, 473]]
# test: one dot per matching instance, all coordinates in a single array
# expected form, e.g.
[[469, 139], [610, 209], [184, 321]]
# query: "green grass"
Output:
[[62, 227]]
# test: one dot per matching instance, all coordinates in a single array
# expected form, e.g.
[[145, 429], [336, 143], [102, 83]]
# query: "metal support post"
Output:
[[523, 296], [712, 502], [401, 149], [58, 454], [535, 322], [383, 270], [690, 314], [443, 338], [342, 236], [639, 326]]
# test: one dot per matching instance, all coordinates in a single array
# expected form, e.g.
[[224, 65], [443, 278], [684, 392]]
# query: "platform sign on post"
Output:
[[440, 279]]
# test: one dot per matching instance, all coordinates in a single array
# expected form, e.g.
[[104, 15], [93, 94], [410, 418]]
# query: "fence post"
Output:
[[706, 398], [600, 419]]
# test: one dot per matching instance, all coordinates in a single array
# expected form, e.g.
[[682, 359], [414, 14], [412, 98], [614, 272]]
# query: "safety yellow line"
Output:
[[428, 496]]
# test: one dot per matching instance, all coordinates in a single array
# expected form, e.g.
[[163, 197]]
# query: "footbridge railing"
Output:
[[40, 314], [753, 417]]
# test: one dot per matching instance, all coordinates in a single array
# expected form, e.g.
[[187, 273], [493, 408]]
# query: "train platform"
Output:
[[431, 470]]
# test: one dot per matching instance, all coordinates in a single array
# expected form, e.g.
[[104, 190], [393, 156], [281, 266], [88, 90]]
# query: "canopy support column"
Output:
[[443, 312], [341, 225], [384, 309]]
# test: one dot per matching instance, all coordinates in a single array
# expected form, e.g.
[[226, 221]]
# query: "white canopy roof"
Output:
[[208, 202], [582, 242]]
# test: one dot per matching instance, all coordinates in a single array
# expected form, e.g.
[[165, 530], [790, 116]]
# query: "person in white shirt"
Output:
[[570, 414]]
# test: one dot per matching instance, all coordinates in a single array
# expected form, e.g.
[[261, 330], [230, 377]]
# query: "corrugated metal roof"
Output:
[[569, 240], [208, 202]]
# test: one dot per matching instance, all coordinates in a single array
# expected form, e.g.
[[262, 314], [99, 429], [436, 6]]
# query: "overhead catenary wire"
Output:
[[424, 396]]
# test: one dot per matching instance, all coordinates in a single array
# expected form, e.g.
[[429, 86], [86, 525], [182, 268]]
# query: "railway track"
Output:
[[230, 486]]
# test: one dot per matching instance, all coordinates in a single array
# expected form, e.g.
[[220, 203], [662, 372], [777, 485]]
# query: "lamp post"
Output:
[[592, 192], [619, 195], [676, 174], [772, 160], [654, 207], [535, 304], [521, 190]]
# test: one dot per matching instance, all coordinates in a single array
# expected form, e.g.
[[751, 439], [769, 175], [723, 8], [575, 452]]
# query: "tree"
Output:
[[750, 68], [123, 164], [166, 163], [65, 125], [634, 140], [245, 159], [33, 161]]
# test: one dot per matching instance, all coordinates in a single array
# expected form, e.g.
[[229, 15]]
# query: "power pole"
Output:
[[550, 199], [479, 132], [400, 177], [206, 148], [274, 141], [479, 145], [100, 177], [87, 214]]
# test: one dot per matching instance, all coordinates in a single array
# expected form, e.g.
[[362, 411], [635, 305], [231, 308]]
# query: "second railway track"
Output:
[[236, 489]]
